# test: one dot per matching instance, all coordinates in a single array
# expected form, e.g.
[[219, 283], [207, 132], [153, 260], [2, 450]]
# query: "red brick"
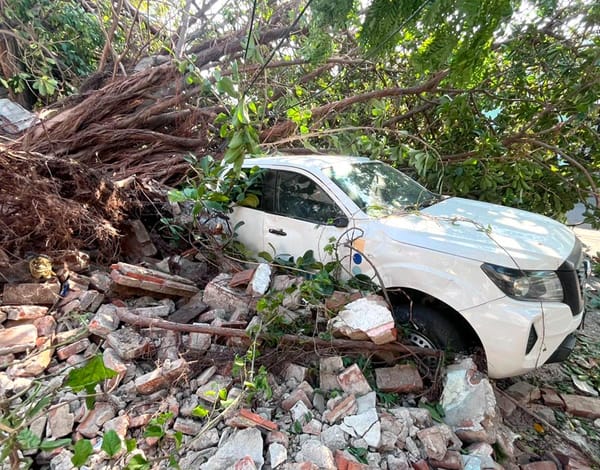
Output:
[[544, 465], [31, 294], [24, 312], [344, 408], [451, 461], [346, 461], [296, 396], [402, 378], [421, 465], [245, 463], [73, 348], [339, 299], [161, 377], [258, 420], [17, 339], [551, 398], [353, 381], [242, 278], [587, 407], [46, 325]]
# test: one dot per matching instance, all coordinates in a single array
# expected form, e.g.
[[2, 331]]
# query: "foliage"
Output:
[[58, 42]]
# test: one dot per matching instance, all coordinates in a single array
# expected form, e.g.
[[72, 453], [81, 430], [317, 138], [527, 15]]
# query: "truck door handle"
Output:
[[275, 231]]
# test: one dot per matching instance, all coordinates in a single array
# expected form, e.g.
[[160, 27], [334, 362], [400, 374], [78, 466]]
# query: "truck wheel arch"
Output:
[[429, 312]]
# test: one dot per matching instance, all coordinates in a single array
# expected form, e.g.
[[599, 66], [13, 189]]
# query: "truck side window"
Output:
[[301, 198], [263, 187]]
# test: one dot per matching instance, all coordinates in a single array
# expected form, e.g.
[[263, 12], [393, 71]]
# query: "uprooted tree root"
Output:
[[49, 203]]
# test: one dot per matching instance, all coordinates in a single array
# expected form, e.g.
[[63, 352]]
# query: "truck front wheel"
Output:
[[428, 328]]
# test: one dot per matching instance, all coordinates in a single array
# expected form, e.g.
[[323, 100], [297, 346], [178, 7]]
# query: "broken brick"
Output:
[[258, 420], [17, 339], [161, 377], [31, 294], [71, 349], [104, 321], [151, 280], [352, 380], [242, 278], [23, 312], [345, 407], [402, 378]]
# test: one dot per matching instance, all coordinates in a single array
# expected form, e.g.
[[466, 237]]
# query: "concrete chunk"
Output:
[[365, 319], [129, 344]]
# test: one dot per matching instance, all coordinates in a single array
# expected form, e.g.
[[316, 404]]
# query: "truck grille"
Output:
[[573, 275]]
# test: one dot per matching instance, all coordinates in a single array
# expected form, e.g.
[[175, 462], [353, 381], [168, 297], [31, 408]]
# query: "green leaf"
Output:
[[138, 462], [173, 462], [111, 442], [28, 440], [154, 430], [50, 445], [200, 411], [178, 436], [251, 200], [44, 401], [90, 375], [81, 452], [130, 444], [175, 195], [225, 85]]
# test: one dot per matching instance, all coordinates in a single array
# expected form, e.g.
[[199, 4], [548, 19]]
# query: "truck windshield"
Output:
[[380, 190]]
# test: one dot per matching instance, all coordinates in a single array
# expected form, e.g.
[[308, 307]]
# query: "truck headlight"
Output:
[[525, 285]]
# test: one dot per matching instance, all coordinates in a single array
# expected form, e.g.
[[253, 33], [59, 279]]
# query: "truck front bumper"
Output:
[[520, 336]]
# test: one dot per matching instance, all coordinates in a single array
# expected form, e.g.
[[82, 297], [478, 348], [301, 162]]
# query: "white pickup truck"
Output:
[[460, 273]]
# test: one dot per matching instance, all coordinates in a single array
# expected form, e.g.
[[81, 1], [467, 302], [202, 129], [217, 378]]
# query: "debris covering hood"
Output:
[[487, 233]]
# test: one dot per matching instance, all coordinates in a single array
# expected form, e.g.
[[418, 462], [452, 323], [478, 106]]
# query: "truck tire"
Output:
[[430, 328]]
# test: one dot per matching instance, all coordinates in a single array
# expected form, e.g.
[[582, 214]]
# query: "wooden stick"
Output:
[[145, 322]]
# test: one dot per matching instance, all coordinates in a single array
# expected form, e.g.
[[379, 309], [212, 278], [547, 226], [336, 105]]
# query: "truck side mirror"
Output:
[[340, 221]]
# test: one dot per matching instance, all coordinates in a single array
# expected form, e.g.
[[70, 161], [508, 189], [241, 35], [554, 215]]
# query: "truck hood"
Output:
[[485, 232]]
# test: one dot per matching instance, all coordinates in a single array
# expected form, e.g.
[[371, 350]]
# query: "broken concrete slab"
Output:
[[129, 344], [261, 280], [151, 280], [60, 421], [468, 398], [246, 442], [218, 294], [314, 451], [365, 318]]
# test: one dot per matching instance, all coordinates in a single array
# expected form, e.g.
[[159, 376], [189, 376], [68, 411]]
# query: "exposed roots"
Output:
[[50, 203]]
